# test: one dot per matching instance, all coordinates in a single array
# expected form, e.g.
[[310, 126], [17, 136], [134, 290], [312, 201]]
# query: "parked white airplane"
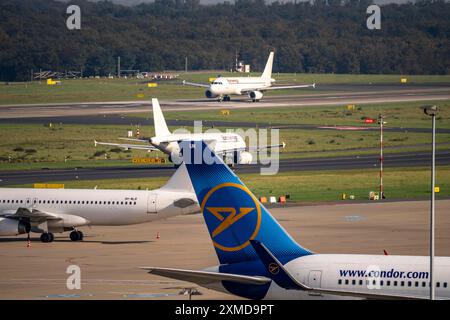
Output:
[[260, 260], [49, 211], [222, 87], [228, 145]]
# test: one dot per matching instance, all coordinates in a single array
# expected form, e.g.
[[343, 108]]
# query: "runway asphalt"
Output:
[[347, 94], [404, 159], [109, 258]]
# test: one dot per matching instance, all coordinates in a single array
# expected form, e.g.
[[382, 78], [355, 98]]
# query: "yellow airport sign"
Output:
[[225, 112], [152, 84], [351, 107], [140, 95], [148, 160], [437, 189], [49, 185], [403, 80]]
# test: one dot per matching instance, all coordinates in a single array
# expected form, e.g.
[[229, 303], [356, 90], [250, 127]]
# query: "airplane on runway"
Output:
[[228, 145], [260, 260], [222, 87], [48, 211]]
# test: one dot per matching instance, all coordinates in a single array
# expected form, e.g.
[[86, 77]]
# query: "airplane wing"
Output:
[[147, 147], [273, 146], [280, 88], [205, 277], [291, 87], [33, 215], [251, 149], [134, 139], [195, 84]]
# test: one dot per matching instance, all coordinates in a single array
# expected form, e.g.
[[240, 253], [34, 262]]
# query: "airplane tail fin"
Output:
[[267, 74], [179, 181], [233, 215], [161, 128]]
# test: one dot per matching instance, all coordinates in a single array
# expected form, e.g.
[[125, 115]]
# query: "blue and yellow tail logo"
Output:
[[233, 216]]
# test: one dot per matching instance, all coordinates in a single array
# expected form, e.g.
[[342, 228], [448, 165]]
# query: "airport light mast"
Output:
[[381, 123], [431, 111]]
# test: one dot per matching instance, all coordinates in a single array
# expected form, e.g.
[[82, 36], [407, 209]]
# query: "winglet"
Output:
[[314, 85], [184, 82], [95, 142]]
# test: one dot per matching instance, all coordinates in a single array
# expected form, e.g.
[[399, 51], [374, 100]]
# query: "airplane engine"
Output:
[[176, 158], [210, 95], [245, 158], [255, 95], [10, 227]]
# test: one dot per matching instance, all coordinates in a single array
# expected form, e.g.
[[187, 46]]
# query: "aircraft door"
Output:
[[315, 278], [151, 203]]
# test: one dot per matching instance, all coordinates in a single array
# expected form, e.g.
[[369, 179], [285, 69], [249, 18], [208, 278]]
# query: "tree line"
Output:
[[326, 36]]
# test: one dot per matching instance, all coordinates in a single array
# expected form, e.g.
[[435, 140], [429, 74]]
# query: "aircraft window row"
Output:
[[73, 202], [12, 201], [389, 283]]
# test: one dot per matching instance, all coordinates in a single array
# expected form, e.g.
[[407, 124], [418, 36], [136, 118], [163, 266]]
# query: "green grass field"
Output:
[[33, 146], [91, 90], [304, 186], [399, 114]]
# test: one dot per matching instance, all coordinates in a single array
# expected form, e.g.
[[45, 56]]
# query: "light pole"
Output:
[[431, 111], [381, 123]]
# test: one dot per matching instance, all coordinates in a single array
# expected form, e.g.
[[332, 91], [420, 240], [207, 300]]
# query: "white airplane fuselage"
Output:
[[406, 276], [80, 207], [236, 85]]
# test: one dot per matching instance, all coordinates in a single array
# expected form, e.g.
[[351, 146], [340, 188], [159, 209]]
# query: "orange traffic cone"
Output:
[[157, 235]]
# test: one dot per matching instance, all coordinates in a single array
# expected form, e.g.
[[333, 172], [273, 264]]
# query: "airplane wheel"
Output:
[[75, 235], [52, 237], [46, 237], [81, 235]]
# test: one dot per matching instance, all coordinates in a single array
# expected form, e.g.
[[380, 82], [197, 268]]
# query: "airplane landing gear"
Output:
[[226, 98], [76, 235], [47, 237]]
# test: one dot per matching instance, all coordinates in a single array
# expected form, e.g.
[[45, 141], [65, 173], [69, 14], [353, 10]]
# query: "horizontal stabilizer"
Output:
[[205, 277]]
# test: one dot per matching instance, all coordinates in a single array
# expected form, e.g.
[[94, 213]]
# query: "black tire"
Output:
[[52, 237], [74, 236], [81, 235], [45, 237]]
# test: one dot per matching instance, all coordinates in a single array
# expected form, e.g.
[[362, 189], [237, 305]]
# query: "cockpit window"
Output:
[[217, 82]]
